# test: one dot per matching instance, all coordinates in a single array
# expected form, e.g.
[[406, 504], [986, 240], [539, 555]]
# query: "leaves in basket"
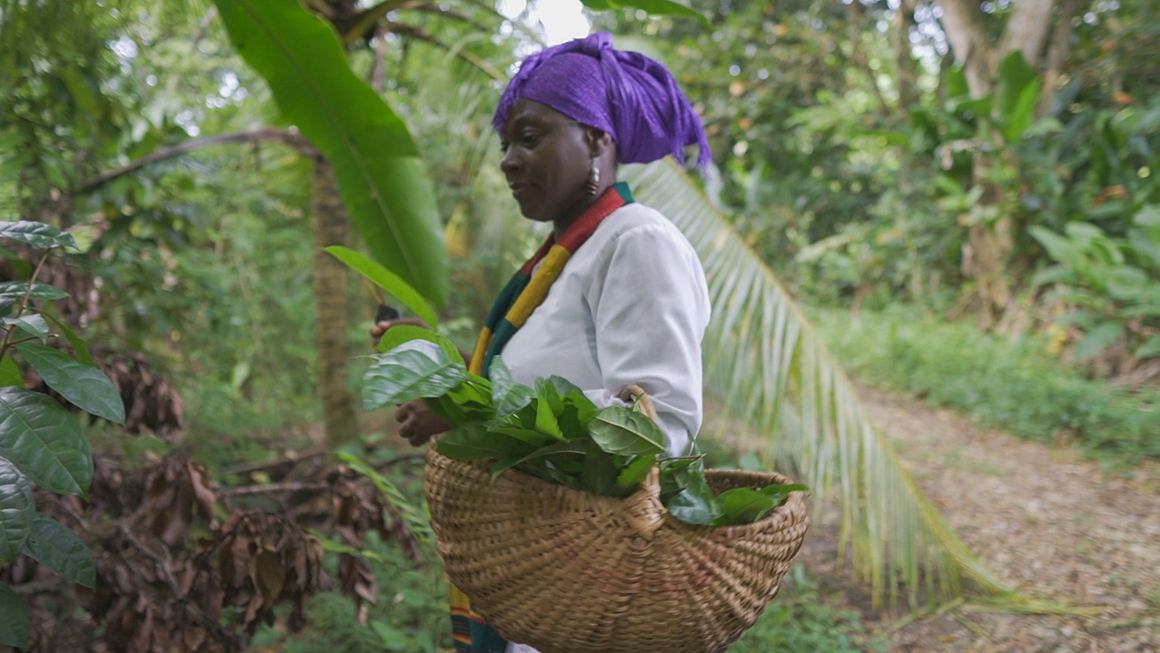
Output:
[[508, 396], [745, 505], [473, 441], [564, 448], [622, 430], [635, 471]]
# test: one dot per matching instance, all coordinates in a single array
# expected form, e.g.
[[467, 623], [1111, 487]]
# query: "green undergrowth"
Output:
[[1010, 384]]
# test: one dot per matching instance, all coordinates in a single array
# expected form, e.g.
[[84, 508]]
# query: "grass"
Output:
[[1010, 384]]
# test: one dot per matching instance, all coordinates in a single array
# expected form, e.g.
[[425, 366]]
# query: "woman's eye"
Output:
[[503, 146], [529, 140]]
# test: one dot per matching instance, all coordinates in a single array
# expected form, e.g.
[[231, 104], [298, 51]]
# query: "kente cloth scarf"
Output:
[[515, 304]]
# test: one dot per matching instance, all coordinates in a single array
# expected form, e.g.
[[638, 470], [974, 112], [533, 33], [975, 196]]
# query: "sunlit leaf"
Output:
[[56, 547], [32, 324], [414, 370], [36, 234], [507, 395], [621, 430], [43, 439], [387, 280], [85, 386], [384, 184], [15, 290], [654, 7]]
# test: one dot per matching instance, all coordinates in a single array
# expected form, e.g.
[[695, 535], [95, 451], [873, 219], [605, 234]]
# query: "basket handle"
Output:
[[644, 510]]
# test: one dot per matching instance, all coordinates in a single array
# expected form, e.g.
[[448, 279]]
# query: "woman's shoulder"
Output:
[[637, 220]]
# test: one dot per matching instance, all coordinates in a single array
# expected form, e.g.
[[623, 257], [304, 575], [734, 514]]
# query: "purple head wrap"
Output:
[[631, 97]]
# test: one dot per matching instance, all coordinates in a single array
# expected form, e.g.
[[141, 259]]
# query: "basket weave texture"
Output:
[[571, 572]]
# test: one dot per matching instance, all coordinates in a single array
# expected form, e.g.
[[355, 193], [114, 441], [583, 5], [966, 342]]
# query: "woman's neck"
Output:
[[561, 224]]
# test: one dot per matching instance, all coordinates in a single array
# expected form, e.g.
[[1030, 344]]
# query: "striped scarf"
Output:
[[515, 304]]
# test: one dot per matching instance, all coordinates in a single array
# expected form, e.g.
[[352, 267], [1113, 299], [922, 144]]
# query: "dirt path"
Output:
[[1041, 517]]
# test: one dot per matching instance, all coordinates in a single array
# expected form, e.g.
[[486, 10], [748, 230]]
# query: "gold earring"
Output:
[[593, 179]]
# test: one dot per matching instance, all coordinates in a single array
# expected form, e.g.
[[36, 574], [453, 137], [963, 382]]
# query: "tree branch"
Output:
[[290, 139]]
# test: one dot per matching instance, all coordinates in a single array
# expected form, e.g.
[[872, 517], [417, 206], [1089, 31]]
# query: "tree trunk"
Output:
[[903, 60], [964, 30], [1057, 54], [990, 246], [1026, 30], [330, 323]]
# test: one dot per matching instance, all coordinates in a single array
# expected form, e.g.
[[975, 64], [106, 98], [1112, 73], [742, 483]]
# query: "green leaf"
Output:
[[414, 370], [36, 234], [600, 475], [1150, 348], [1023, 113], [387, 280], [384, 185], [32, 324], [567, 447], [1014, 78], [43, 439], [745, 505], [13, 618], [621, 430], [80, 348], [546, 418], [10, 373], [636, 471], [15, 290], [397, 335], [16, 510], [476, 442], [695, 504], [653, 7], [508, 396], [85, 386], [1098, 339], [56, 547]]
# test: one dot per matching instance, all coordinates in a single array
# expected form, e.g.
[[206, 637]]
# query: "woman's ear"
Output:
[[599, 141]]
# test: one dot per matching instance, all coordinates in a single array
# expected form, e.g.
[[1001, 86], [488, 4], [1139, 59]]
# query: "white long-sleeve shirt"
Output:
[[630, 306]]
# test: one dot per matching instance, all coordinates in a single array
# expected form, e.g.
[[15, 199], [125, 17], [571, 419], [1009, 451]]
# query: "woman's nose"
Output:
[[509, 164]]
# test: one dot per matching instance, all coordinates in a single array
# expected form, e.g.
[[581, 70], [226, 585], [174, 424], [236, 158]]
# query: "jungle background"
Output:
[[931, 230]]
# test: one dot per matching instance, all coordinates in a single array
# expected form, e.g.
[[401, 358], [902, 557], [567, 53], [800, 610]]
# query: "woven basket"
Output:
[[570, 572]]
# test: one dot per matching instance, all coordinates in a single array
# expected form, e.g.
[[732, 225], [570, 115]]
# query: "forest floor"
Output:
[[1043, 518]]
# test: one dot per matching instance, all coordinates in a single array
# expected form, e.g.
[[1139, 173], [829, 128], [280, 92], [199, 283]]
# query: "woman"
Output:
[[616, 296]]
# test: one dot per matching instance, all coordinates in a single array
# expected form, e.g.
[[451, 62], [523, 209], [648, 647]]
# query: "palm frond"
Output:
[[769, 367]]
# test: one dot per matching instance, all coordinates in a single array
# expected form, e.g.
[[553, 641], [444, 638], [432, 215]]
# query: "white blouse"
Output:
[[630, 306]]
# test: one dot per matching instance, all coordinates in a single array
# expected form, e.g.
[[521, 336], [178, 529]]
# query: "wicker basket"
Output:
[[570, 572]]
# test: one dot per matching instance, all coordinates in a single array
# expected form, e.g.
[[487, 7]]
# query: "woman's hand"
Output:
[[383, 326], [418, 423]]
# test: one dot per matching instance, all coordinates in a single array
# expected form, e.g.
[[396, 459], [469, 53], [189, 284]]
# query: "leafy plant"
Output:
[[553, 431], [41, 443], [1111, 282]]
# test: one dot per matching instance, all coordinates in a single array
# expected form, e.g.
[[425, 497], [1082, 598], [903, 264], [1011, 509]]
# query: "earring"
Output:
[[593, 179]]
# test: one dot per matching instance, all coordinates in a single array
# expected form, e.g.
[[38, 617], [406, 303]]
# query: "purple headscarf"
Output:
[[631, 97]]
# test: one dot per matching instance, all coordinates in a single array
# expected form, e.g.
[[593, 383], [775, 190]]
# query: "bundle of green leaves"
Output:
[[551, 430]]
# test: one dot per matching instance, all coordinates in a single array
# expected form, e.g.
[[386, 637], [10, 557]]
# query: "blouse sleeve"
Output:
[[650, 306]]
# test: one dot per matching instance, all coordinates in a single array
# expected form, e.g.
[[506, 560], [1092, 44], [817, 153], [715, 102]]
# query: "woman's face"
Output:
[[547, 159]]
